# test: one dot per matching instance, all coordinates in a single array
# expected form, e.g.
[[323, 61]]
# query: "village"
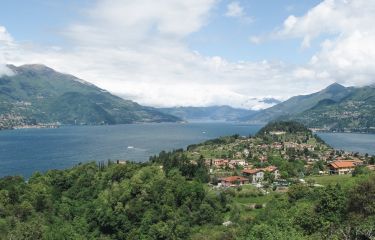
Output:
[[277, 159]]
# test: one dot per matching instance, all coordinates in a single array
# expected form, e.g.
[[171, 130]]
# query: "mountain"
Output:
[[335, 108], [37, 94], [212, 113], [298, 104], [355, 112]]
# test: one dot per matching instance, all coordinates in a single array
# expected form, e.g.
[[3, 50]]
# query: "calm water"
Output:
[[26, 151], [351, 142]]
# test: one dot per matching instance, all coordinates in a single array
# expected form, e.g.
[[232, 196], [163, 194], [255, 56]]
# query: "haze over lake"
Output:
[[23, 152]]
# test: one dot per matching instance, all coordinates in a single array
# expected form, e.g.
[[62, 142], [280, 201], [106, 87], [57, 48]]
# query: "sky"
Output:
[[195, 53]]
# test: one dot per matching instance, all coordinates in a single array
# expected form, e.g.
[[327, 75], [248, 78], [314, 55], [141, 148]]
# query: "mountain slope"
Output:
[[299, 104], [212, 113], [335, 108], [39, 94], [355, 112]]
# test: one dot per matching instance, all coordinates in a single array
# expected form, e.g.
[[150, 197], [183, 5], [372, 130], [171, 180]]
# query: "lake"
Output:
[[351, 142], [25, 151]]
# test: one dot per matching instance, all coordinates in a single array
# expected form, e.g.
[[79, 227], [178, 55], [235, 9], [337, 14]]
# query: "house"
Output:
[[234, 163], [234, 181], [273, 170], [257, 174], [343, 166], [220, 163]]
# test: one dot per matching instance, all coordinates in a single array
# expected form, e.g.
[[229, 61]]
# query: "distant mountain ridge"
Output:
[[299, 104], [39, 94], [212, 113], [335, 108], [354, 113]]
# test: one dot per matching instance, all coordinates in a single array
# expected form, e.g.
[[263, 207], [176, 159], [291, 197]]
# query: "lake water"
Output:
[[25, 151], [28, 150], [351, 142]]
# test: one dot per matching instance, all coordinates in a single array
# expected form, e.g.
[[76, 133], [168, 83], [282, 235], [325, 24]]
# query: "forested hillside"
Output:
[[353, 113], [131, 201], [335, 108], [141, 201], [36, 94]]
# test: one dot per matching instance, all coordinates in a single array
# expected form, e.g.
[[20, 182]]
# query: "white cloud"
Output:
[[138, 51], [4, 70], [5, 43], [304, 73], [235, 10], [164, 73], [5, 37], [347, 53], [116, 21]]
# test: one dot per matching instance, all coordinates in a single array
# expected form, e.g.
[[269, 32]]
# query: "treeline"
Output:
[[130, 201], [219, 140], [286, 126]]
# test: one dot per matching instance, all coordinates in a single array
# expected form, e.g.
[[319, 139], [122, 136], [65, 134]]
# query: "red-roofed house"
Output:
[[257, 174], [343, 166], [234, 181]]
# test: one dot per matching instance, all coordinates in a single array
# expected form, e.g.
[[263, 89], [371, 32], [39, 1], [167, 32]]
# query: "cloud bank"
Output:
[[138, 50], [347, 51]]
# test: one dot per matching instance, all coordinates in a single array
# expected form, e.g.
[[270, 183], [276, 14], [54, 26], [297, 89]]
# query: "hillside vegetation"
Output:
[[353, 113], [141, 201], [36, 94], [335, 108]]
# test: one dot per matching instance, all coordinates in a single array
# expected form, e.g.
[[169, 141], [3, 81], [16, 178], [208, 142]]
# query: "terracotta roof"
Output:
[[252, 171], [270, 168], [343, 164], [255, 170], [234, 178]]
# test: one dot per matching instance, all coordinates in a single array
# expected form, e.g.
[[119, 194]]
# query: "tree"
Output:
[[361, 170], [331, 205], [361, 198], [27, 231]]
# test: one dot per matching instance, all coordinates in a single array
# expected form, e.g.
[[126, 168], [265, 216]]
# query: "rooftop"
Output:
[[234, 178]]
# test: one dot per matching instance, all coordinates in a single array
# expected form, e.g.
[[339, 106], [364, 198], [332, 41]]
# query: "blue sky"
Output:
[[196, 52], [230, 36], [41, 21]]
